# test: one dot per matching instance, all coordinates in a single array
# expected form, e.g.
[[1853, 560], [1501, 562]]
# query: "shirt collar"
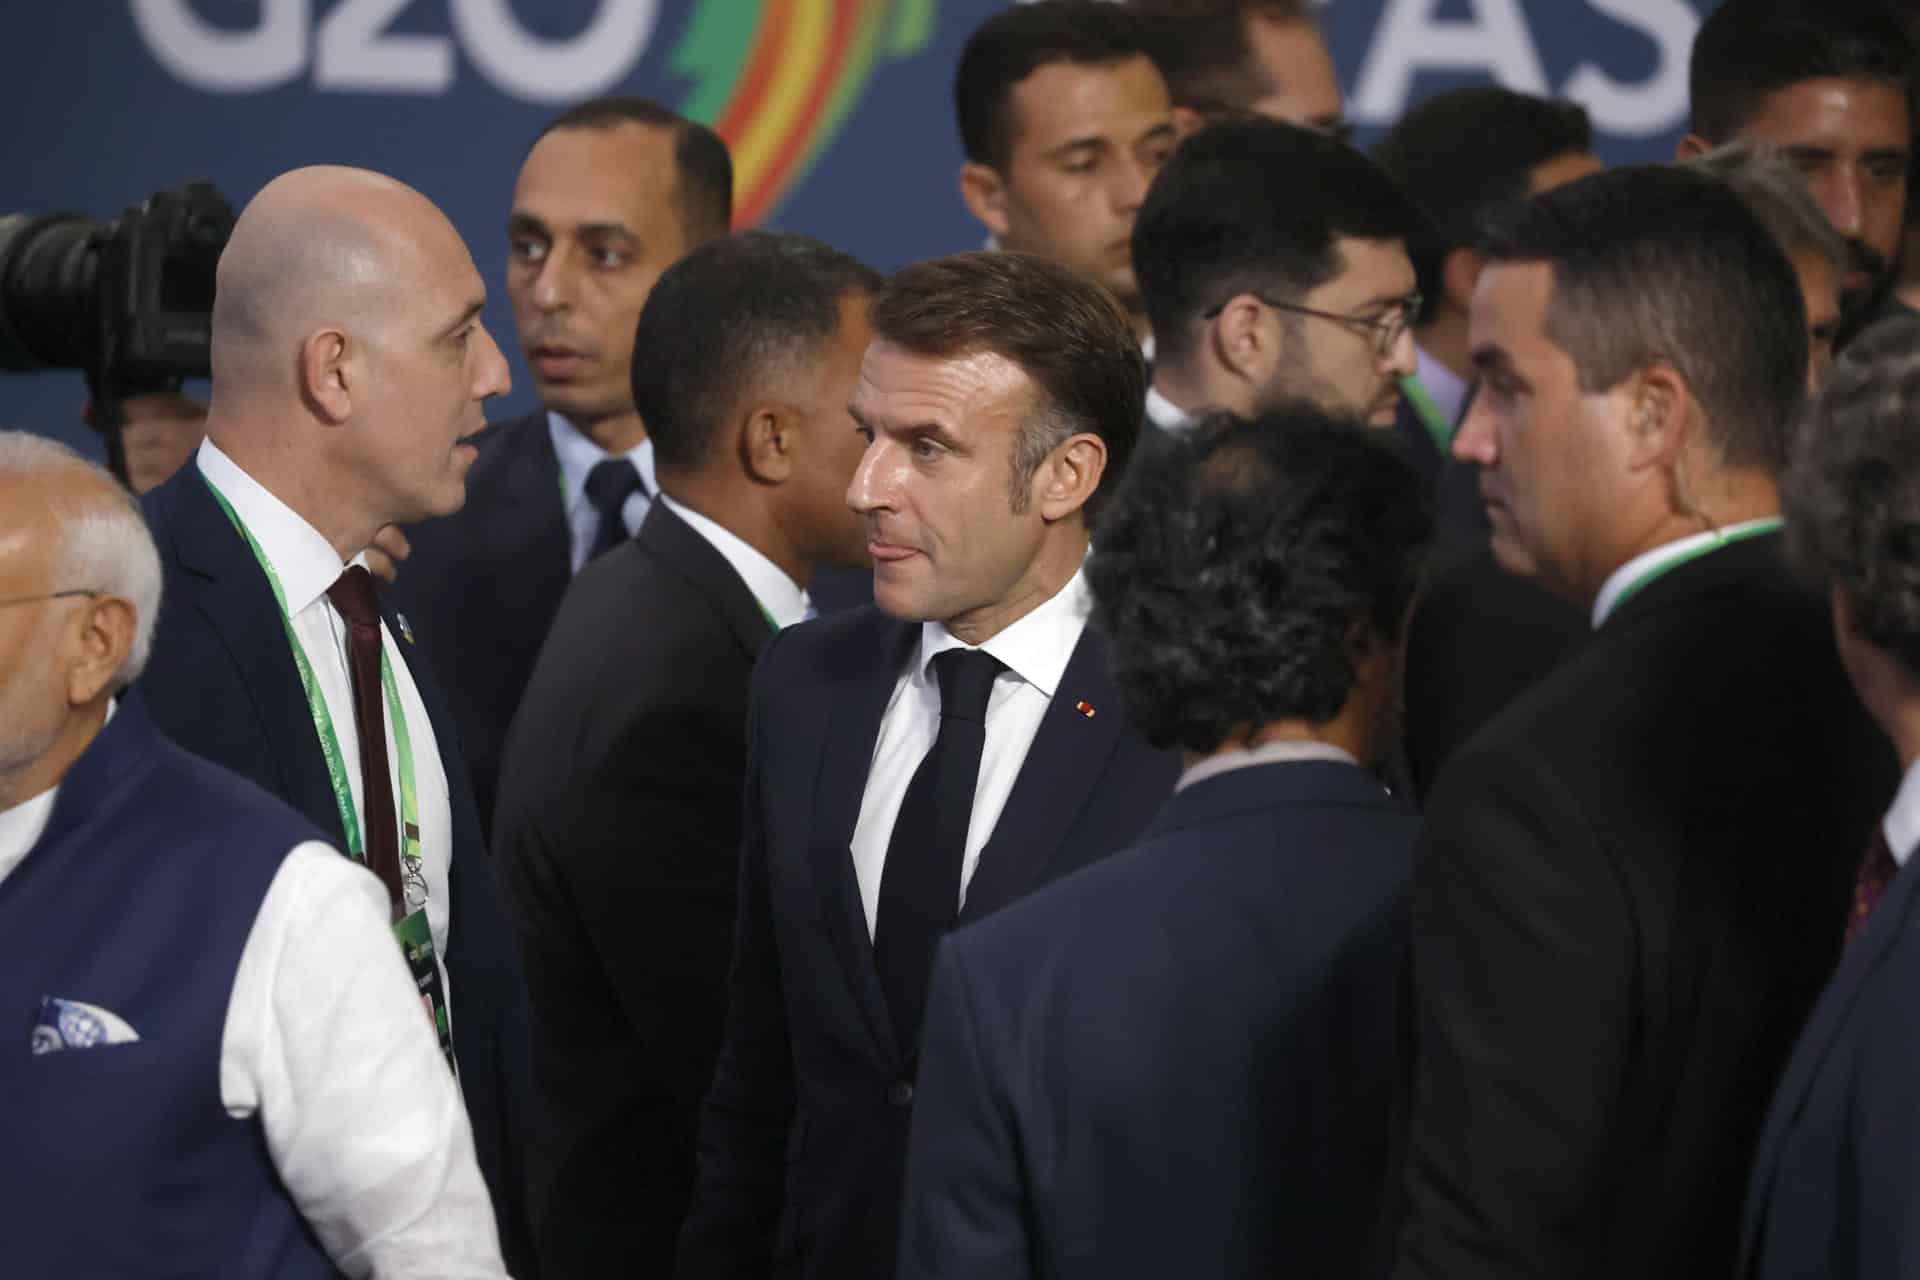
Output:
[[1902, 823], [1037, 648], [578, 453], [1267, 753], [303, 560], [1648, 562], [1164, 413], [1448, 389], [778, 595]]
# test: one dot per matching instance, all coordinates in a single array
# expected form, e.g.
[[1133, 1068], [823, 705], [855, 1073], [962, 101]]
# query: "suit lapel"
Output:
[[680, 550], [1056, 781], [853, 727], [534, 539], [1858, 962], [221, 579]]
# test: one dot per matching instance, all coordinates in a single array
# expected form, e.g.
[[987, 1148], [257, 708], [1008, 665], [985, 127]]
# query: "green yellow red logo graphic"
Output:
[[778, 78]]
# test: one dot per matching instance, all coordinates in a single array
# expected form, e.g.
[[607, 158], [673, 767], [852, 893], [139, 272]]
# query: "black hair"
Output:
[[704, 194], [1254, 206], [1749, 49], [1228, 576], [1852, 493], [1018, 41], [1460, 153], [1662, 264], [1201, 47], [723, 320]]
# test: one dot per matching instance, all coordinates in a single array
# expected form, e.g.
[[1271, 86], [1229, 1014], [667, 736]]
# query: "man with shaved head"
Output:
[[349, 370], [226, 1065]]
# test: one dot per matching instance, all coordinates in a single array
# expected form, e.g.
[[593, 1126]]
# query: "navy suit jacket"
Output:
[[1835, 1191], [1182, 1061], [803, 1135], [222, 683], [483, 586]]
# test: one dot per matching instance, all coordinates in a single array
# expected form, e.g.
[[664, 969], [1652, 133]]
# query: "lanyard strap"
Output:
[[1429, 413], [323, 724], [1720, 540]]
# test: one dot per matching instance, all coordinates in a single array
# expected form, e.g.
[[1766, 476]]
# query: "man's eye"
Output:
[[527, 250], [1888, 170], [1086, 165], [926, 449], [610, 259]]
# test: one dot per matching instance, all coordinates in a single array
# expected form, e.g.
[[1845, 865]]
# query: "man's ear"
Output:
[[103, 636], [1187, 121], [1661, 421], [1069, 477], [1691, 147], [1459, 273], [768, 440], [329, 375], [985, 193], [1242, 340]]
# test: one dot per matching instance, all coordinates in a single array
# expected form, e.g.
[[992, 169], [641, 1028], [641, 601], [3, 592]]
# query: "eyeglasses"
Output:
[[51, 595], [1387, 330]]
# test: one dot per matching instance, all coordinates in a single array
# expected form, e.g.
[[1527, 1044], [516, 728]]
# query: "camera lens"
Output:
[[47, 303]]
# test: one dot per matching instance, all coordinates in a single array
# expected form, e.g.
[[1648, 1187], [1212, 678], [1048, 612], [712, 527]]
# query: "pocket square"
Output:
[[73, 1024]]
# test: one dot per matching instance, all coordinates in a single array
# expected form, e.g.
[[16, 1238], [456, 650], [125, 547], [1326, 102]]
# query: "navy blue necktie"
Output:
[[611, 482], [920, 883]]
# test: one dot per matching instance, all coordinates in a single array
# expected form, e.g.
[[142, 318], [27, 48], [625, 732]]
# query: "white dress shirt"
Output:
[[1266, 753], [1663, 555], [1165, 414], [326, 1040], [1035, 651], [779, 597], [578, 454], [307, 565], [1902, 823]]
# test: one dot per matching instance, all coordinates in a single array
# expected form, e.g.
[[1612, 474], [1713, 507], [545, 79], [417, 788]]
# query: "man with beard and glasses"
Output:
[[1274, 267], [1831, 86]]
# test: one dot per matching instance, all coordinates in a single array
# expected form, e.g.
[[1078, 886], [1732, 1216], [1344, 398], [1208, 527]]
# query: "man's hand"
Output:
[[390, 547], [162, 430]]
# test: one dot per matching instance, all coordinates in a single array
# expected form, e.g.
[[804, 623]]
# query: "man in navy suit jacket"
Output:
[[1833, 1188], [1182, 1061], [930, 760], [349, 371], [611, 193]]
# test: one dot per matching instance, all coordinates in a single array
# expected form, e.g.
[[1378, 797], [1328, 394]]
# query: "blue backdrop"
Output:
[[838, 111]]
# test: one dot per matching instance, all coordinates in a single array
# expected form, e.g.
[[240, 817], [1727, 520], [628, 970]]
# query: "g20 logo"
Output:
[[775, 78]]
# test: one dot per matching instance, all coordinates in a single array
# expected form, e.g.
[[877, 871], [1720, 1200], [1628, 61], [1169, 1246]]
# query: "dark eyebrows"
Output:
[[1490, 359], [1158, 133], [525, 224], [918, 431]]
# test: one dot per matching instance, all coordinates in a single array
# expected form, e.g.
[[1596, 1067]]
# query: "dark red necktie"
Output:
[[352, 594], [1877, 870]]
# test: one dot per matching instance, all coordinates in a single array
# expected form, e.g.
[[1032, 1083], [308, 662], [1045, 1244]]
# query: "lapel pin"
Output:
[[1084, 708], [406, 630]]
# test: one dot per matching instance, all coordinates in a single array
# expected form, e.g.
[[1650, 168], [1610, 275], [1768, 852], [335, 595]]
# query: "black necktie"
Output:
[[353, 595], [920, 883], [611, 482]]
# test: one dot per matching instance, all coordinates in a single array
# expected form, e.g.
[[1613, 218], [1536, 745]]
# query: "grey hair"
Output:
[[105, 544], [1776, 194]]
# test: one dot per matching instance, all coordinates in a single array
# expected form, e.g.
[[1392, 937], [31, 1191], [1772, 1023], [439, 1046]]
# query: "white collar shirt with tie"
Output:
[[1034, 652], [577, 454], [307, 565]]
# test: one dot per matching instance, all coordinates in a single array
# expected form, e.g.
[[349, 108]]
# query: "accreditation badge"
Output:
[[416, 944]]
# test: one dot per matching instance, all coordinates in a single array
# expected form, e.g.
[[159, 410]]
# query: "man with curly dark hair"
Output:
[[1181, 1061], [1833, 1185]]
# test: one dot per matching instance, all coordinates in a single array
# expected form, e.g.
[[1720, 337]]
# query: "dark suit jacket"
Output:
[[222, 683], [1833, 1194], [1632, 885], [483, 585], [1180, 1061], [804, 1133], [619, 832], [1479, 638]]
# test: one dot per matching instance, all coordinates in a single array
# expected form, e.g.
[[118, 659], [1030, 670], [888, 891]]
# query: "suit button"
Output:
[[900, 1093]]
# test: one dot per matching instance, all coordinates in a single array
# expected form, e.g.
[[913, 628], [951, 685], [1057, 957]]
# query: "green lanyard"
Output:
[[1429, 413], [1720, 540], [330, 741]]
